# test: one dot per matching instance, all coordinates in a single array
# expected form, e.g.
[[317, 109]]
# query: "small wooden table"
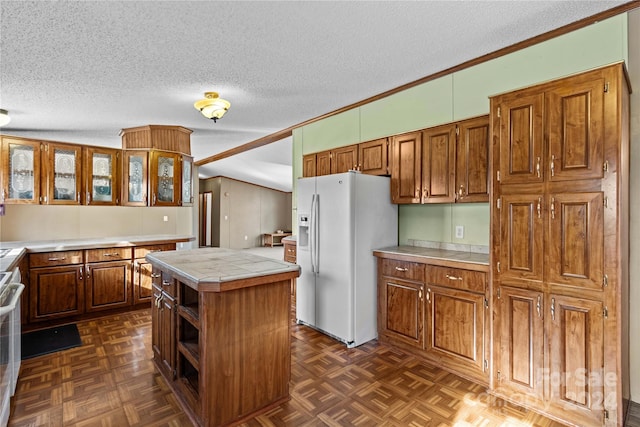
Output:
[[274, 239]]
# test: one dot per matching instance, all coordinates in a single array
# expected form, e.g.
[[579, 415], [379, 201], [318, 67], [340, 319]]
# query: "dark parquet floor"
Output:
[[111, 381]]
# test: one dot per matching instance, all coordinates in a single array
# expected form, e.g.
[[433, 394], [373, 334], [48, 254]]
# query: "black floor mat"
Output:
[[50, 340]]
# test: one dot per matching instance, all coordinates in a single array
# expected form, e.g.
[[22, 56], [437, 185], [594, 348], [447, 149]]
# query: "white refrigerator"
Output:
[[342, 218]]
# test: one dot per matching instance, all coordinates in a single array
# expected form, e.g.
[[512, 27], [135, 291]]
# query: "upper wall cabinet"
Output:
[[472, 160], [187, 180], [62, 167], [573, 119], [406, 168], [344, 159], [20, 170], [309, 165], [443, 164], [373, 157], [165, 178], [135, 174], [101, 176]]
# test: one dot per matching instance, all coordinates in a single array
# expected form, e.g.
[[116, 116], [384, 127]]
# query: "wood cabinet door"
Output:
[[108, 285], [56, 292], [156, 326], [135, 178], [406, 168], [575, 127], [576, 357], [438, 164], [373, 157], [323, 163], [519, 326], [101, 176], [403, 313], [455, 330], [472, 160], [142, 281], [165, 178], [20, 172], [186, 186], [63, 169], [521, 237], [575, 242], [344, 159], [168, 333], [309, 165], [521, 137]]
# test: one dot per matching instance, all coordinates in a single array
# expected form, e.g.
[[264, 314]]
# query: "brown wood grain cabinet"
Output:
[[56, 285], [406, 168], [309, 165], [373, 157], [560, 244], [163, 319], [20, 174], [107, 278], [439, 313], [135, 178], [143, 272], [62, 168], [344, 159], [165, 178], [101, 176], [472, 160], [438, 164], [323, 163]]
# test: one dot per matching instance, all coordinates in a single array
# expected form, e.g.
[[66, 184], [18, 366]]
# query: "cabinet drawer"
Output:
[[108, 254], [403, 269], [52, 259], [142, 251], [290, 252], [457, 278]]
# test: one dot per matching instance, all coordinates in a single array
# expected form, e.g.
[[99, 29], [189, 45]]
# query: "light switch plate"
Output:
[[459, 231]]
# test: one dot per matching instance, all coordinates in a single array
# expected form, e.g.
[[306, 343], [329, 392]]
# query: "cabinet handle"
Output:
[[88, 197], [553, 309], [289, 250], [111, 254], [401, 269], [538, 305], [461, 191], [538, 167], [4, 194], [62, 258], [154, 199], [166, 283], [88, 272], [553, 165], [539, 207], [553, 208], [453, 277], [429, 295], [81, 274], [155, 276]]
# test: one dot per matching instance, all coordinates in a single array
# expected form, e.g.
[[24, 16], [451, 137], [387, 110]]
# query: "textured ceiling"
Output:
[[81, 71]]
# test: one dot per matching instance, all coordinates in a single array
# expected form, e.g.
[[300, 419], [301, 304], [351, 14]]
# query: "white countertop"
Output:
[[217, 265], [19, 248], [438, 254]]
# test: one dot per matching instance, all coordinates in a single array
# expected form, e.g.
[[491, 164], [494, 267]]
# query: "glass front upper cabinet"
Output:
[[20, 170], [63, 174], [101, 176], [136, 164], [165, 178], [187, 181]]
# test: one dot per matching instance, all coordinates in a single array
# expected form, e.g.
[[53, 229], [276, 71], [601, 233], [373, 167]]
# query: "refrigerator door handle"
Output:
[[312, 240], [316, 237]]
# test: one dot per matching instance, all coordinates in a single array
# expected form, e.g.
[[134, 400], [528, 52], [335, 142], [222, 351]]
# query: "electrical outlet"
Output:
[[459, 231], [165, 218], [246, 237]]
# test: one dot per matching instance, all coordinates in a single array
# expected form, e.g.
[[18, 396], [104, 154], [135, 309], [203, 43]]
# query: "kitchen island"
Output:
[[221, 331]]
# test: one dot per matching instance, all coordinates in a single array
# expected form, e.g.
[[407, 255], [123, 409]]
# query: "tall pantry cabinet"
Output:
[[560, 246]]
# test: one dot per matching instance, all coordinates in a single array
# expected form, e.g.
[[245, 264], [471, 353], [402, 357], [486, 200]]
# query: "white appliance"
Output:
[[342, 218], [10, 351]]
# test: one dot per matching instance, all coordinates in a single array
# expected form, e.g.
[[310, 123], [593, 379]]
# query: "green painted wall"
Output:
[[458, 96]]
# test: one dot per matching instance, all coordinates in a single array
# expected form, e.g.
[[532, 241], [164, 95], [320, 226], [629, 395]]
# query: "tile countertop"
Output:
[[444, 257], [19, 248], [218, 265]]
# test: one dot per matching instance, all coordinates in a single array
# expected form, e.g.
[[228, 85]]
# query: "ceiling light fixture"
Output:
[[4, 117], [212, 107]]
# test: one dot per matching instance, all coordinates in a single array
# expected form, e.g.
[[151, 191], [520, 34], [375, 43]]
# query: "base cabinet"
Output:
[[56, 292], [438, 313], [107, 285], [163, 321]]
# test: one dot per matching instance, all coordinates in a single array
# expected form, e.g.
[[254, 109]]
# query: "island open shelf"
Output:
[[230, 358]]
